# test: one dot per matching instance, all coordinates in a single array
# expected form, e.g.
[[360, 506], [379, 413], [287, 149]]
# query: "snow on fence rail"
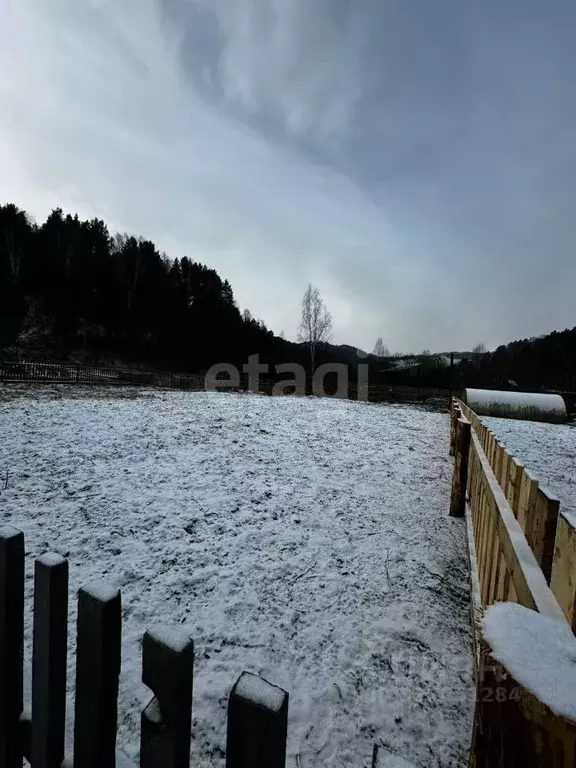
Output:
[[257, 710], [517, 549]]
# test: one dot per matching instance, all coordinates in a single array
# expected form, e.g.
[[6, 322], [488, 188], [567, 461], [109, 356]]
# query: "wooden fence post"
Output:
[[257, 724], [167, 669], [460, 474], [97, 672], [49, 660], [455, 414], [11, 644]]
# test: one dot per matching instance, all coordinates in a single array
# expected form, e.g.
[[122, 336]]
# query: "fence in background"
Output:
[[63, 373], [257, 710], [519, 553]]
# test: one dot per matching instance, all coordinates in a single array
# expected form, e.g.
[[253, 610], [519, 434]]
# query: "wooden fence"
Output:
[[257, 710], [65, 373], [551, 534], [523, 551]]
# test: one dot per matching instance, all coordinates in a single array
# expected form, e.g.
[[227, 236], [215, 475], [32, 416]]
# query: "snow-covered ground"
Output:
[[303, 539], [547, 450]]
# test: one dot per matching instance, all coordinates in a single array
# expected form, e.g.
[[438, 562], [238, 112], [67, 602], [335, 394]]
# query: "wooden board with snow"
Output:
[[305, 540], [548, 451]]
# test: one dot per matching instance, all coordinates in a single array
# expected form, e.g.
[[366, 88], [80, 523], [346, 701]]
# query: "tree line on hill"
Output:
[[69, 289], [546, 362]]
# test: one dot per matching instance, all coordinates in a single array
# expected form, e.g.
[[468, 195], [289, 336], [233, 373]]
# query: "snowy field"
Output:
[[547, 450], [307, 540]]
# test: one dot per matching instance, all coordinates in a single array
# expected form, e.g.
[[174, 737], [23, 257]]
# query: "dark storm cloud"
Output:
[[414, 159]]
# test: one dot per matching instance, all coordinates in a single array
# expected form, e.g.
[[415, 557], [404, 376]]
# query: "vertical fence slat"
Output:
[[488, 550], [257, 724], [454, 415], [527, 504], [483, 525], [489, 567], [49, 660], [563, 580], [476, 500], [474, 489], [97, 672], [544, 530], [167, 669], [496, 564], [460, 475], [493, 447], [498, 457], [516, 470], [11, 644], [504, 471], [478, 504]]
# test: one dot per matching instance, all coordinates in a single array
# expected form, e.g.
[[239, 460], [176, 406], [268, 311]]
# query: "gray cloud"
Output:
[[415, 160]]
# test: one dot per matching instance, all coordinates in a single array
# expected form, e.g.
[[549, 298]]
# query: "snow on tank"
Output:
[[528, 406]]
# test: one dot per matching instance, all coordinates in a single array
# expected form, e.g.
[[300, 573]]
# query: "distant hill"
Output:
[[543, 362]]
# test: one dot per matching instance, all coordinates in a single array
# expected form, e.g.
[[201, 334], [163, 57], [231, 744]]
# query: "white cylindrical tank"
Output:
[[529, 406]]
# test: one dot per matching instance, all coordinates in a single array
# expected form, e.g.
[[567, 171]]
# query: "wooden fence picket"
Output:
[[515, 472], [544, 530], [11, 644], [49, 661], [97, 672], [257, 724], [167, 669], [563, 582], [460, 475]]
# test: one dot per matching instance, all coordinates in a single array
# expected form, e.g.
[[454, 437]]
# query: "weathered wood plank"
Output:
[[515, 472], [460, 474], [527, 504], [563, 581], [544, 530], [257, 724], [97, 672], [529, 582], [167, 669], [49, 660], [11, 644]]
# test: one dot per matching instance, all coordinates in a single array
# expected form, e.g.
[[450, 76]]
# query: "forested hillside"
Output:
[[545, 362], [69, 288]]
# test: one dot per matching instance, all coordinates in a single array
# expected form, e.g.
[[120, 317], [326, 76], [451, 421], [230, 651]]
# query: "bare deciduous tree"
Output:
[[380, 349], [478, 353], [315, 323]]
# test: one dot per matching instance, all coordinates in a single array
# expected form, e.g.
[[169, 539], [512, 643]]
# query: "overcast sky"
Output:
[[414, 159]]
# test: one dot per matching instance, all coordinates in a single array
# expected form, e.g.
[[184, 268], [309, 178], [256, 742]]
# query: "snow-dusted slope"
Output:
[[307, 540]]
